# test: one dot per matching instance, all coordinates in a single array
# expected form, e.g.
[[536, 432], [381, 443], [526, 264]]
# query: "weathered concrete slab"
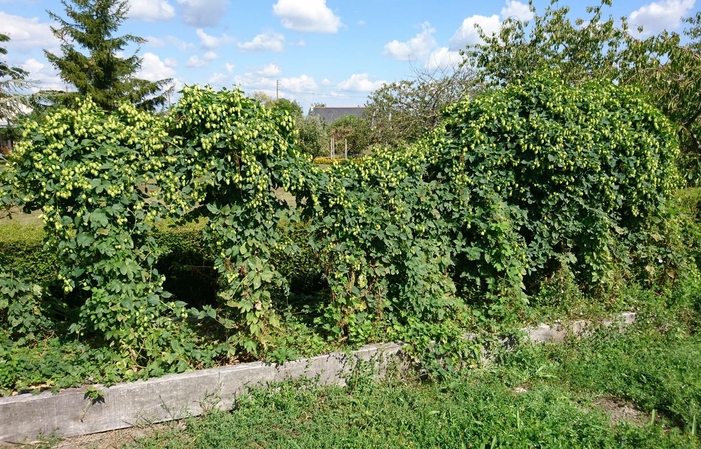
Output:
[[581, 328], [174, 396]]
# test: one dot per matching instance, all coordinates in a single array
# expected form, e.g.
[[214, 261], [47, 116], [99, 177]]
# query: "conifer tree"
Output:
[[12, 81], [97, 70]]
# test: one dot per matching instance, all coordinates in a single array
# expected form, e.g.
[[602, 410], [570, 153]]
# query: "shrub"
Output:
[[582, 171]]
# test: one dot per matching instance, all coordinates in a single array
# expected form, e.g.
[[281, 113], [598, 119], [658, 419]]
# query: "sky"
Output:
[[334, 52]]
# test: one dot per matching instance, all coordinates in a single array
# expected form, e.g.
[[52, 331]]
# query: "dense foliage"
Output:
[[418, 243], [514, 183], [666, 67], [229, 155], [89, 173]]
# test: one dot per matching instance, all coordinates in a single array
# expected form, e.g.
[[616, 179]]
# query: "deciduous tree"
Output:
[[406, 110], [666, 69]]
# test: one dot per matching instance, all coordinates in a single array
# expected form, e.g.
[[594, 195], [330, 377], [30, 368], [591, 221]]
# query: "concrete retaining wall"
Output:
[[71, 412]]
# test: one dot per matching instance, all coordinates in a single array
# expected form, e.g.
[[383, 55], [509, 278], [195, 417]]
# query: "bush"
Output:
[[580, 171], [513, 183]]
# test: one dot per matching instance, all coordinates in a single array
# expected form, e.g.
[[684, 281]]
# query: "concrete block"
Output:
[[174, 396]]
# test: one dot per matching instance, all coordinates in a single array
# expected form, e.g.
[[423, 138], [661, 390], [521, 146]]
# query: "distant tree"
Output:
[[291, 107], [405, 110], [99, 71], [313, 136], [262, 97], [353, 130], [13, 81]]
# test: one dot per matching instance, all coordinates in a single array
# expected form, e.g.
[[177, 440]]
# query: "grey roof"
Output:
[[330, 114]]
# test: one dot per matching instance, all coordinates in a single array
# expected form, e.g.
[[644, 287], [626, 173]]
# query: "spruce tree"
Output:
[[13, 80], [90, 60]]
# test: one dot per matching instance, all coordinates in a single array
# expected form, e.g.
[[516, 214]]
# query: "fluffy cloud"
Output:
[[27, 34], [217, 79], [661, 15], [151, 10], [269, 70], [265, 42], [196, 61], [153, 69], [169, 40], [45, 75], [516, 10], [207, 41], [416, 48], [253, 81], [229, 67], [467, 33], [443, 59], [307, 15], [203, 13], [360, 82]]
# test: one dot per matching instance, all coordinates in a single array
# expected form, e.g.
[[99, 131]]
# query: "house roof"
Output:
[[330, 114]]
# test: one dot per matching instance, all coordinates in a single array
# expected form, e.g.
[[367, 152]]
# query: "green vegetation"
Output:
[[665, 67], [641, 389], [101, 73], [207, 236], [518, 189]]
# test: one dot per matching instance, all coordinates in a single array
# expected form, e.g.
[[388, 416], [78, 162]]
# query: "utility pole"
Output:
[[277, 90]]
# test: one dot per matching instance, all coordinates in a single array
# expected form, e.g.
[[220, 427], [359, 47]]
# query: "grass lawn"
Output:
[[638, 390]]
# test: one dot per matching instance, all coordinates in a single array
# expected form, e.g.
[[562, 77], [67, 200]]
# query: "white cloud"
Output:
[[44, 74], [170, 62], [661, 15], [361, 22], [253, 81], [203, 13], [516, 10], [169, 40], [360, 82], [195, 61], [27, 34], [153, 69], [416, 48], [217, 79], [229, 67], [265, 42], [467, 33], [207, 41], [307, 15], [269, 70], [443, 59], [151, 10], [209, 56], [326, 82]]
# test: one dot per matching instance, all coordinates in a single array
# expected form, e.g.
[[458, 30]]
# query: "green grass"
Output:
[[544, 396]]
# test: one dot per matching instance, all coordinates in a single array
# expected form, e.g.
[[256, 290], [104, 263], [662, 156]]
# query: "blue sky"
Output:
[[329, 51]]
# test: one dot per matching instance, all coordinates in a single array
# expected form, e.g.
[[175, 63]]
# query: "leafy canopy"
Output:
[[404, 111], [596, 47]]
